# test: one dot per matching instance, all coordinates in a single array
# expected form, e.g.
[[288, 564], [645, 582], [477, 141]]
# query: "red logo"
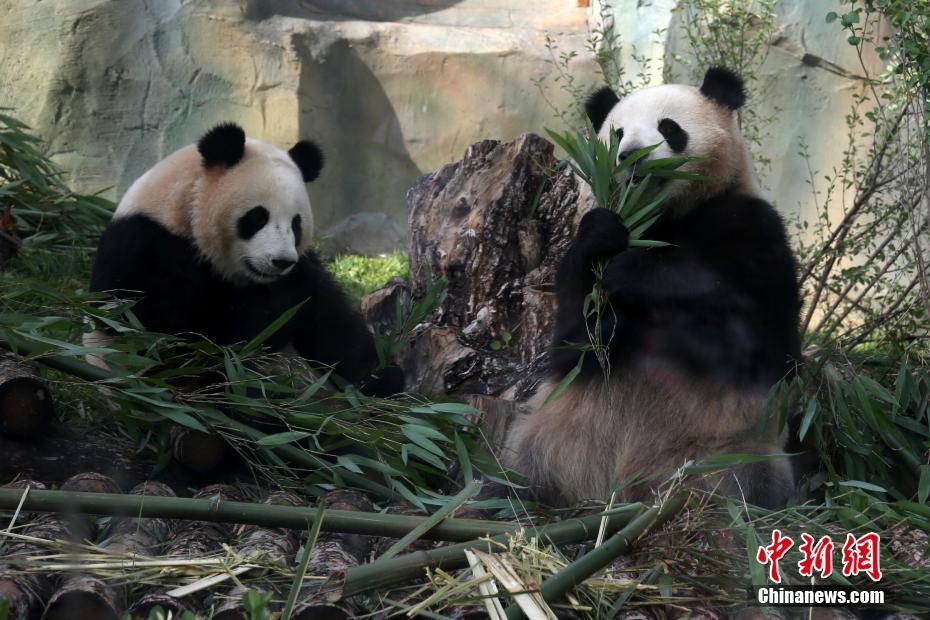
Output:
[[817, 557], [860, 555], [771, 554]]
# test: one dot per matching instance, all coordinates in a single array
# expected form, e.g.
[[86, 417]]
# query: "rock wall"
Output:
[[391, 90]]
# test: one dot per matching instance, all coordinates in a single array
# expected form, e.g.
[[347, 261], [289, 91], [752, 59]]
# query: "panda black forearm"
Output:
[[329, 330], [138, 259]]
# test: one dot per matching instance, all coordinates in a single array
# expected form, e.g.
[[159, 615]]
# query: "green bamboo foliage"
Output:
[[407, 440], [633, 188], [629, 187], [44, 209]]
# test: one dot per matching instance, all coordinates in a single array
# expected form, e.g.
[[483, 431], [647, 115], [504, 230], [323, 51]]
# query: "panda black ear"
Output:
[[224, 145], [599, 104], [308, 157], [725, 87]]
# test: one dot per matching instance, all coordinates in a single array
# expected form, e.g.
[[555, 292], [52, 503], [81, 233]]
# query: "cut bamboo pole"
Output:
[[74, 589], [383, 575], [271, 546], [345, 521], [197, 451], [140, 537], [22, 591], [332, 554], [189, 539], [559, 584], [25, 402]]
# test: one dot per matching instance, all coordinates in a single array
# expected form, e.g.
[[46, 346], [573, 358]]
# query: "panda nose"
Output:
[[283, 263], [626, 154]]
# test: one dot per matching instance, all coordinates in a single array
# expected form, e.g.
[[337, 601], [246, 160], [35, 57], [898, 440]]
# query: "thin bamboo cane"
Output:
[[556, 586], [345, 521], [381, 575]]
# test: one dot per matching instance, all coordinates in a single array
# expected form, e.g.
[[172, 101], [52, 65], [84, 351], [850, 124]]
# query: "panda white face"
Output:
[[682, 120], [261, 213], [678, 118], [268, 242]]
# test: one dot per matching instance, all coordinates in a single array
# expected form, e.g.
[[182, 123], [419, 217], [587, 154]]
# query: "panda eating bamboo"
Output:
[[697, 331]]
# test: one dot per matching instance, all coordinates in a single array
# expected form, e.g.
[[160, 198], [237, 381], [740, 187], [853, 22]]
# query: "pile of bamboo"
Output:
[[335, 560]]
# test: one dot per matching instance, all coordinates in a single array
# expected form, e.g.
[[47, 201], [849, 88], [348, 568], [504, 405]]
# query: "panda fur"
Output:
[[697, 331], [214, 241]]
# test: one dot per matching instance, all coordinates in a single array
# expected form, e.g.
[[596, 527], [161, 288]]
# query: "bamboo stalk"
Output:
[[344, 521], [556, 586], [92, 373], [381, 575], [432, 521]]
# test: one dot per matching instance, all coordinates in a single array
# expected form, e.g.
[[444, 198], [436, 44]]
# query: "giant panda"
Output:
[[697, 331], [214, 241]]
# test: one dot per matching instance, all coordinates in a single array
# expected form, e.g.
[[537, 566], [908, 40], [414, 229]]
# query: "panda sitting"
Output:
[[697, 331], [215, 240]]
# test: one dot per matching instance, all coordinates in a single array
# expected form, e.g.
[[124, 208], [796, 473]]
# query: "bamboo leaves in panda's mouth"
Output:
[[635, 187]]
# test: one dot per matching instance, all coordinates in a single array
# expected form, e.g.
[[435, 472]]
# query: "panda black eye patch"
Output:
[[252, 222], [675, 136], [295, 226], [619, 132]]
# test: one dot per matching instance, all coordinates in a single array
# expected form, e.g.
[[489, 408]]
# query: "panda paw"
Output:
[[386, 382], [601, 234]]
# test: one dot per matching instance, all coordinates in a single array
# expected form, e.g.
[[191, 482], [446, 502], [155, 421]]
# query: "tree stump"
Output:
[[25, 401], [495, 224]]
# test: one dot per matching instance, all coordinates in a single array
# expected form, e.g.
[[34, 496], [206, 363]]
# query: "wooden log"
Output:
[[189, 539], [197, 451], [142, 537], [28, 590], [25, 401], [62, 452], [271, 546], [21, 591], [171, 606], [198, 538], [495, 417], [331, 555], [82, 596]]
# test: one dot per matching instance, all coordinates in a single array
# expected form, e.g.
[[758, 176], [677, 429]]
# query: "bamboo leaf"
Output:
[[570, 376], [280, 439], [923, 487], [304, 562]]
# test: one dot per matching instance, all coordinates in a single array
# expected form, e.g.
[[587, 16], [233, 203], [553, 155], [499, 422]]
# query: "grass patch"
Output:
[[360, 275]]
